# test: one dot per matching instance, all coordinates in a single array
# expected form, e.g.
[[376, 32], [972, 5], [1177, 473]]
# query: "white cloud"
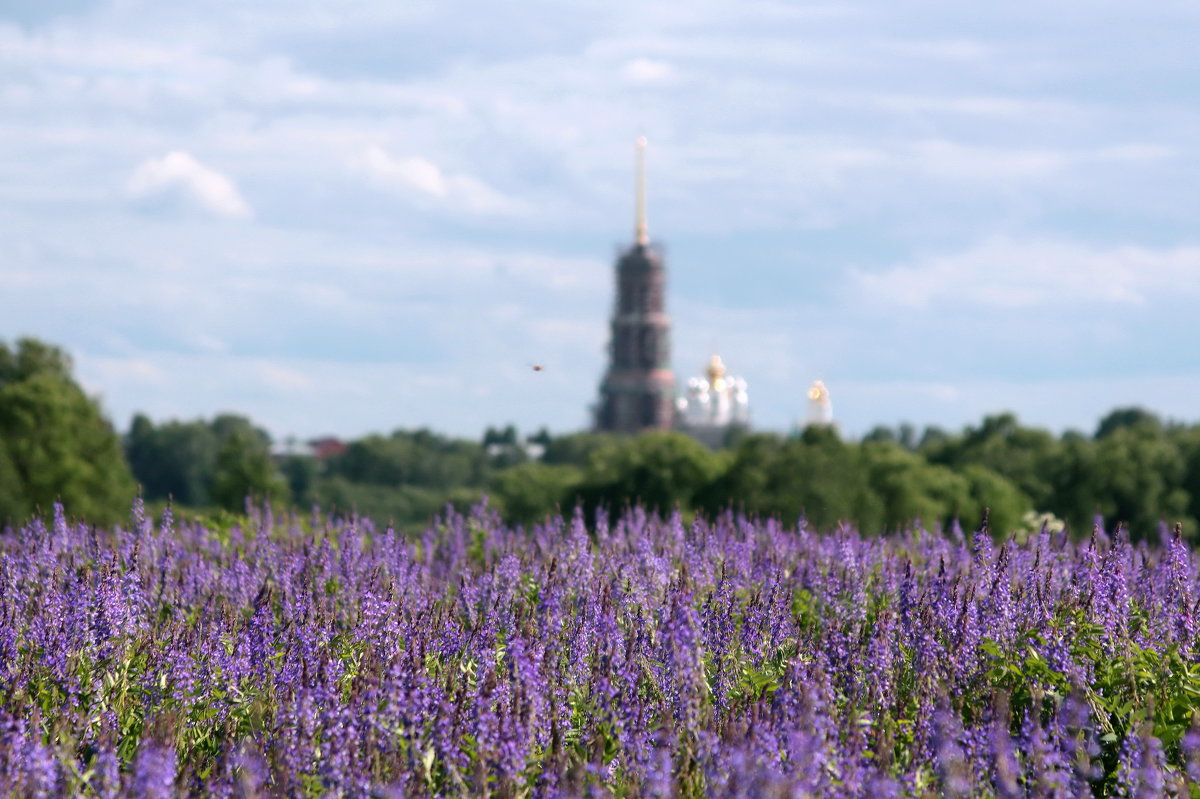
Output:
[[282, 378], [952, 160], [948, 159], [1134, 153], [1002, 273], [969, 105], [416, 174], [961, 50], [103, 374], [178, 175], [558, 273], [646, 70], [205, 342], [963, 126]]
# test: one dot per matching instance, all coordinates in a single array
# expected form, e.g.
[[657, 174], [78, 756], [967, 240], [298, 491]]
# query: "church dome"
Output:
[[820, 409], [714, 404], [716, 372]]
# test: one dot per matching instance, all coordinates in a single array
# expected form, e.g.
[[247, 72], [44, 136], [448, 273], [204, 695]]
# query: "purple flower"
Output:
[[153, 772]]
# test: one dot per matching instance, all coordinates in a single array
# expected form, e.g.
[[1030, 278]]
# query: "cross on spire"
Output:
[[641, 232]]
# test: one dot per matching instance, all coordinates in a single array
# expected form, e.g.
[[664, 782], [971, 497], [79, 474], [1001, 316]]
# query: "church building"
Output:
[[638, 389], [714, 405]]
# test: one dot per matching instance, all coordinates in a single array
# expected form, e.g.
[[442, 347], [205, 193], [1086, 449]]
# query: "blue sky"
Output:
[[357, 216]]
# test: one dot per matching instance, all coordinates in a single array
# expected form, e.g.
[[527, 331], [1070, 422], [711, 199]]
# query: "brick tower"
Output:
[[638, 389]]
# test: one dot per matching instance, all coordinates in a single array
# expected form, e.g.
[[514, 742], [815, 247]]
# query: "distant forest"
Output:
[[1135, 468]]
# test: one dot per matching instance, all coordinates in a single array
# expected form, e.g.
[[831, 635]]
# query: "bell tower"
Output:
[[638, 389]]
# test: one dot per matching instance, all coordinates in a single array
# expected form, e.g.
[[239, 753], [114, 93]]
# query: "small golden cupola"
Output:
[[714, 405], [716, 373], [820, 409]]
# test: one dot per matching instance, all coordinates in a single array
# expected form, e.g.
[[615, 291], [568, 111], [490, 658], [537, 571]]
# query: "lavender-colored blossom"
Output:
[[153, 772], [641, 656]]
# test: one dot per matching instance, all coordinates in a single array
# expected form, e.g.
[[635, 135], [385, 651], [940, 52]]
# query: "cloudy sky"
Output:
[[357, 216]]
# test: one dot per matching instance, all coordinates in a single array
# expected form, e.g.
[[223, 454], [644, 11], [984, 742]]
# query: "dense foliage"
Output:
[[637, 658], [1135, 469], [200, 464], [56, 445], [54, 442]]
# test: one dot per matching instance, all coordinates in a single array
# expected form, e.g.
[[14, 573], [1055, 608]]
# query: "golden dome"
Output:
[[716, 372]]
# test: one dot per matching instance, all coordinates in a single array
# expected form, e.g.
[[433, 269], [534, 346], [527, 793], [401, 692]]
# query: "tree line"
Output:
[[55, 444]]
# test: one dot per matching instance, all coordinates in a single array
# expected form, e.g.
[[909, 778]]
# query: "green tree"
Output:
[[911, 489], [1140, 475], [541, 437], [503, 447], [418, 458], [824, 479], [1021, 454], [878, 484], [576, 449], [816, 475], [1075, 483], [658, 470], [176, 460], [1006, 504], [505, 437], [244, 469], [179, 460], [881, 434], [1188, 442], [407, 507], [301, 473], [13, 504], [33, 357], [529, 492], [1123, 418], [55, 444], [743, 485]]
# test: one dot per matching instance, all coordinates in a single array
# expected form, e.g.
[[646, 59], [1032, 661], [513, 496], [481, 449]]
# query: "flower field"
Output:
[[635, 657]]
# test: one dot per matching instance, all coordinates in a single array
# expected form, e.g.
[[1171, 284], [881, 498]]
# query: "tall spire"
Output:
[[641, 233], [638, 389]]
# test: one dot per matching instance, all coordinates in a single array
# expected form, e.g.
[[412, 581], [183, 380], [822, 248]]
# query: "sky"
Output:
[[353, 217]]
